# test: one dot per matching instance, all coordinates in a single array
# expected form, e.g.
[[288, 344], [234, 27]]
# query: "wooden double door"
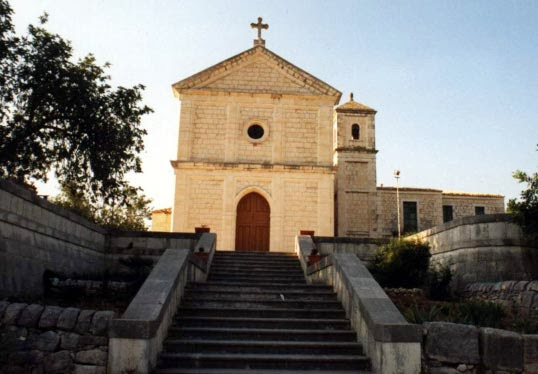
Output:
[[252, 224]]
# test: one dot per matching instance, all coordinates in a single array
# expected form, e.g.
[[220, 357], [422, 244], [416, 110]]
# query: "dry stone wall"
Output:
[[49, 339], [518, 296]]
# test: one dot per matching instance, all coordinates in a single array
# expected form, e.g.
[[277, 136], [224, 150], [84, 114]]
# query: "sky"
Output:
[[455, 83]]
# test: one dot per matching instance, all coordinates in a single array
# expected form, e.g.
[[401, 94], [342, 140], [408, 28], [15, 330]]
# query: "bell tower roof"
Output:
[[354, 107]]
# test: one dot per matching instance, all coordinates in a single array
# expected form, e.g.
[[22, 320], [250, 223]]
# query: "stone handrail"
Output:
[[392, 343], [137, 337]]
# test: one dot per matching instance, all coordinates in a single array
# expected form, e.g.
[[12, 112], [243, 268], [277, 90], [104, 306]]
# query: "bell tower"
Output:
[[355, 161]]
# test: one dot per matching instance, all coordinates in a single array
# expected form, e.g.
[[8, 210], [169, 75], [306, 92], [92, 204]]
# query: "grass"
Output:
[[416, 308]]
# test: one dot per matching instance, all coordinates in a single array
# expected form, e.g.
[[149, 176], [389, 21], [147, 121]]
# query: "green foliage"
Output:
[[402, 263], [438, 282], [127, 213], [61, 115], [478, 313], [419, 315], [525, 211], [474, 312]]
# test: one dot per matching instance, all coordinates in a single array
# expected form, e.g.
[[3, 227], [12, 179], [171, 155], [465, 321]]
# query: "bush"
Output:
[[438, 284], [478, 313], [402, 263]]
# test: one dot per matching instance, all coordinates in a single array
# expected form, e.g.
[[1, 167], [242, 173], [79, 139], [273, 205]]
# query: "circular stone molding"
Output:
[[256, 131]]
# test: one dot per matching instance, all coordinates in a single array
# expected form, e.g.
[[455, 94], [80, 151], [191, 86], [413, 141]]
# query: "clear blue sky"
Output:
[[455, 83]]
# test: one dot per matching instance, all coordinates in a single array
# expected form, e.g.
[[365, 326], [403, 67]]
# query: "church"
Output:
[[266, 152]]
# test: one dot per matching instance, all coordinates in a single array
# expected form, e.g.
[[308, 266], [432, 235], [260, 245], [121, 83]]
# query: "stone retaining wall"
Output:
[[37, 236], [487, 248], [518, 296], [450, 348], [50, 339]]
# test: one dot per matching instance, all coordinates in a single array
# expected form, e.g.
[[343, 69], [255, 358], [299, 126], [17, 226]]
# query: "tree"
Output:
[[126, 214], [525, 211], [61, 115]]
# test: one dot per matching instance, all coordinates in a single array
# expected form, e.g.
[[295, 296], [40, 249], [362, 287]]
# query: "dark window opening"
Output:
[[447, 213], [255, 131], [479, 210], [355, 131], [410, 218]]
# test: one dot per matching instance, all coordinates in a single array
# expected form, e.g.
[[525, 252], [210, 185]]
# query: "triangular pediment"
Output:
[[257, 70]]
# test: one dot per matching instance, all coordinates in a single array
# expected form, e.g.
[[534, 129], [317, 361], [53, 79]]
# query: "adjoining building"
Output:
[[265, 153]]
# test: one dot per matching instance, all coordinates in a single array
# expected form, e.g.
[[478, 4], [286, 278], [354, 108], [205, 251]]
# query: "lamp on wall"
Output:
[[397, 176]]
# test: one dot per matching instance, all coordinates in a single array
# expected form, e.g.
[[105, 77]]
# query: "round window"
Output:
[[255, 131]]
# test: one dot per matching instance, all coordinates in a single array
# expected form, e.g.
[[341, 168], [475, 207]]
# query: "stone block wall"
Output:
[[37, 236], [430, 204], [48, 339], [161, 220], [429, 208], [147, 245], [463, 205], [450, 348], [487, 248], [299, 197], [297, 129], [518, 296], [364, 248]]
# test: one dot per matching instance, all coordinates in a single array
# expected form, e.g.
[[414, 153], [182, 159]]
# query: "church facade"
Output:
[[265, 153]]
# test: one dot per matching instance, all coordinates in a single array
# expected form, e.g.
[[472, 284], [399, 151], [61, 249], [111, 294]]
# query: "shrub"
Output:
[[420, 314], [402, 263], [479, 313], [438, 283]]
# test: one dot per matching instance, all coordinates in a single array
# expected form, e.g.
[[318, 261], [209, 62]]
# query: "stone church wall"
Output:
[[297, 131], [300, 198]]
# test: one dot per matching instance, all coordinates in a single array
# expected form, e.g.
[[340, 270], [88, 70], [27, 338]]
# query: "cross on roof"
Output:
[[259, 26]]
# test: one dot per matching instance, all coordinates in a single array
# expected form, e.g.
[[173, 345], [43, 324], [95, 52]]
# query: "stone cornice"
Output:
[[356, 149], [326, 169]]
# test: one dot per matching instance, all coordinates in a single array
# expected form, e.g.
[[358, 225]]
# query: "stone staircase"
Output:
[[256, 314]]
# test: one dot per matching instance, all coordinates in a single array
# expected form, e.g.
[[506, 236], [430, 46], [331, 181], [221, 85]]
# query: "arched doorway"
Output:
[[252, 223]]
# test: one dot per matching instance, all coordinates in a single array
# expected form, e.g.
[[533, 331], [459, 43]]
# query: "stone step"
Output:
[[261, 295], [268, 323], [218, 333], [218, 267], [254, 371], [256, 346], [264, 361], [255, 254], [270, 287], [262, 312], [257, 273], [254, 262], [199, 302], [262, 258], [254, 279]]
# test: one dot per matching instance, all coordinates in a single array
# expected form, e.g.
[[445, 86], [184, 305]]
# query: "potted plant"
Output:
[[201, 254], [314, 256]]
